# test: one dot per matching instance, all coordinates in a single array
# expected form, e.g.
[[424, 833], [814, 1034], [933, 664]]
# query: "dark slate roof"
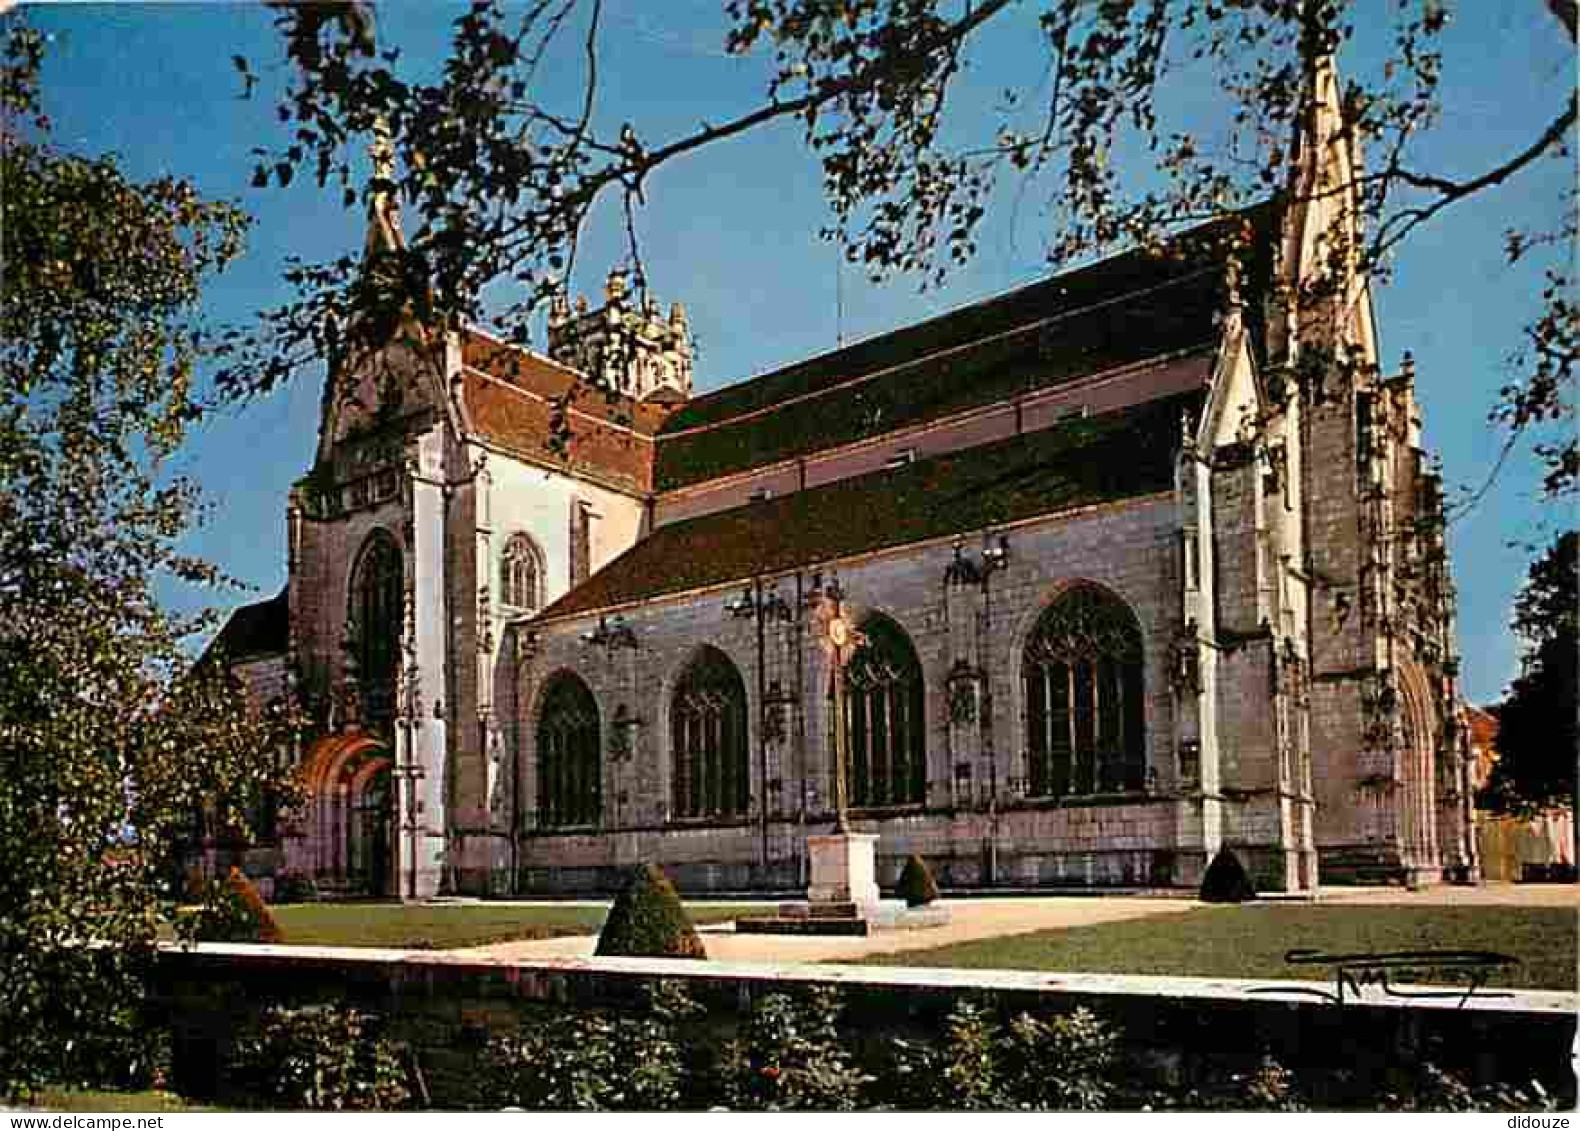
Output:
[[261, 629], [1113, 456], [1117, 312]]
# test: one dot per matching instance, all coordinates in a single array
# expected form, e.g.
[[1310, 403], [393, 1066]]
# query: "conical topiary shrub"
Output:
[[916, 884], [647, 921], [1226, 880], [231, 911]]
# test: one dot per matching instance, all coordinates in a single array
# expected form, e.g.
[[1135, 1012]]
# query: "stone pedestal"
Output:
[[843, 869]]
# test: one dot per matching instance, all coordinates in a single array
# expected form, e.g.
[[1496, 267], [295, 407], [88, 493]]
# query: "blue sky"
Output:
[[732, 234]]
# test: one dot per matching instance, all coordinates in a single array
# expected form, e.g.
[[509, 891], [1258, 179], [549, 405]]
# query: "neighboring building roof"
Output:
[[1121, 311], [1114, 456], [260, 629], [518, 400], [1483, 726]]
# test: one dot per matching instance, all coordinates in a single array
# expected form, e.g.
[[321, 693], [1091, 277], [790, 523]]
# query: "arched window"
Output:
[[885, 721], [708, 722], [1085, 716], [521, 574], [375, 615], [570, 772]]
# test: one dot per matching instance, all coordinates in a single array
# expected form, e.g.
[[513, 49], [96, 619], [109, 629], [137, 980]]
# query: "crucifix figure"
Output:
[[841, 641]]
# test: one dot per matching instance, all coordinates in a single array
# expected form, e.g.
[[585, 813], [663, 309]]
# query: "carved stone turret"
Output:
[[623, 345]]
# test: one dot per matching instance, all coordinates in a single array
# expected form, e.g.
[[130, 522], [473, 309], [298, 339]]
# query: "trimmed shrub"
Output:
[[916, 884], [295, 887], [231, 911], [1226, 880], [647, 921], [321, 1058]]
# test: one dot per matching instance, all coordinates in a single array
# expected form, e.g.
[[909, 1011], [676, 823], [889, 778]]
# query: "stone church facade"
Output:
[[1141, 572]]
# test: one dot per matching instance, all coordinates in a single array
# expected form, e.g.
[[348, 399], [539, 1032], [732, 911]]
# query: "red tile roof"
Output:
[[520, 402], [1483, 726]]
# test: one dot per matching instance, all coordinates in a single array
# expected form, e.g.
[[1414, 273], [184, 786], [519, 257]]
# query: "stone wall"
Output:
[[447, 1007], [976, 825]]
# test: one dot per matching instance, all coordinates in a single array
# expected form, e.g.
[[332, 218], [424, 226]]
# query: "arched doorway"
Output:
[[1416, 796], [346, 836], [370, 831]]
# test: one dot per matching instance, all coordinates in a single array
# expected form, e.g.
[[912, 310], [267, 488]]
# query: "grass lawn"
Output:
[[1249, 941], [62, 1099], [446, 927]]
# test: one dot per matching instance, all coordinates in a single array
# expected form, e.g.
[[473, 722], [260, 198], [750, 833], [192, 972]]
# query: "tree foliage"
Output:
[[111, 741], [1538, 739], [499, 179]]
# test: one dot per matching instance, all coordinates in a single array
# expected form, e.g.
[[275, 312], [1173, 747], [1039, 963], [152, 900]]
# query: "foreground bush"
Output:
[[791, 1056], [594, 1061], [1064, 1063], [1418, 1086], [1226, 880], [647, 921], [916, 885], [320, 1058], [231, 911]]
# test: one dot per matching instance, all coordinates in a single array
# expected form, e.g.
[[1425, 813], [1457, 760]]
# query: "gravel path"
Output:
[[969, 919]]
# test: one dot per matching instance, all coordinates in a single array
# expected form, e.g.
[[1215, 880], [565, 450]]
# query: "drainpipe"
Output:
[[800, 717], [987, 725], [515, 759], [762, 718]]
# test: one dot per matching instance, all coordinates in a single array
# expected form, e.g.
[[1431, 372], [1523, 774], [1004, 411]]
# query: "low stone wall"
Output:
[[446, 1007]]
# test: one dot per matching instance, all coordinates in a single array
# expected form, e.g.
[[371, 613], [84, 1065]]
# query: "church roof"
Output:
[[1114, 313], [515, 399], [260, 629], [1078, 463]]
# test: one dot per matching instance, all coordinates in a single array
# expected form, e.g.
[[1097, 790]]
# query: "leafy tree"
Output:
[[499, 179], [1538, 738], [110, 742]]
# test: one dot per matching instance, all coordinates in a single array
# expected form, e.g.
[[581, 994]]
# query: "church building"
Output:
[[1144, 561]]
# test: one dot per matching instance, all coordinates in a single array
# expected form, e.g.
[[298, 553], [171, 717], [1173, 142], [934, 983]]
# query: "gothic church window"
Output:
[[885, 720], [377, 593], [708, 723], [521, 574], [1085, 716], [569, 764]]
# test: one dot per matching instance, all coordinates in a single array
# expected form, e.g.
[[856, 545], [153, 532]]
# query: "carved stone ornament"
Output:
[[1185, 662], [965, 693]]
